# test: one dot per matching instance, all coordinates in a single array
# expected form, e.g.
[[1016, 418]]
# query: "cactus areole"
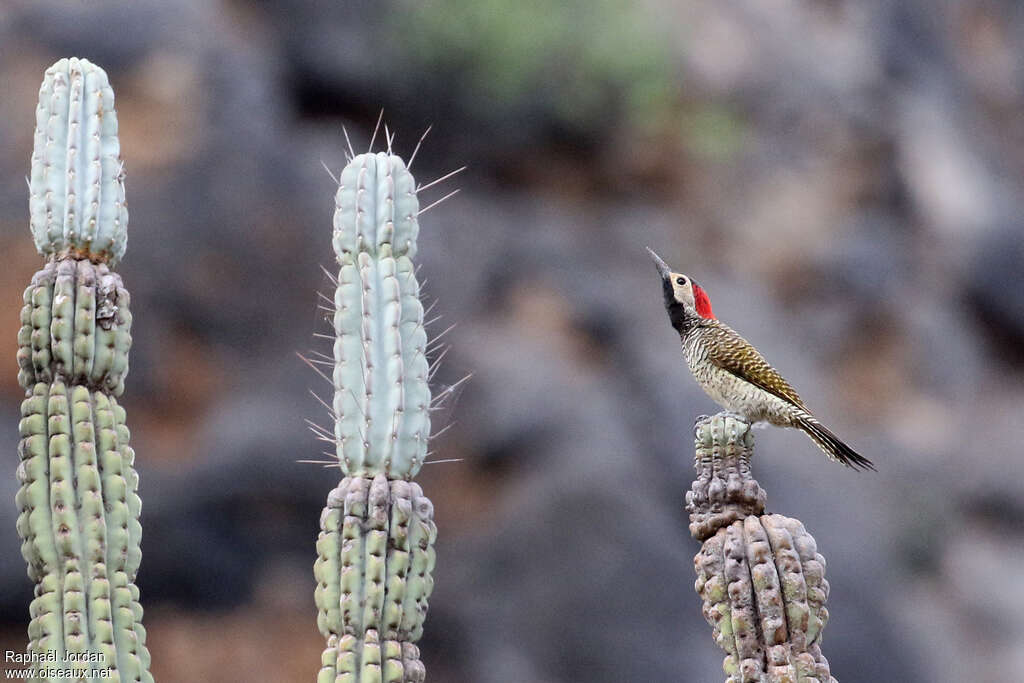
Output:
[[375, 549], [78, 501]]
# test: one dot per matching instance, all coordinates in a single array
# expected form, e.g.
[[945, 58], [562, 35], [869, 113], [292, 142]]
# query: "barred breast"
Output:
[[730, 391]]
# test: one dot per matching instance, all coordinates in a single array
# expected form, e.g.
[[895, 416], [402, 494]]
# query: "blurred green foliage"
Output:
[[586, 63], [713, 132]]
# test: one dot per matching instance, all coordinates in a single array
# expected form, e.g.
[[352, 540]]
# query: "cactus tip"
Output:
[[76, 186]]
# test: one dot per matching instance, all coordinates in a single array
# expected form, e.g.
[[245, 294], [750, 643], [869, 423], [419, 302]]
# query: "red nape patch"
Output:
[[702, 302]]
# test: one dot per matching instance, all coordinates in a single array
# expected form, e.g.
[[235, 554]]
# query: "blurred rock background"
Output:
[[845, 178]]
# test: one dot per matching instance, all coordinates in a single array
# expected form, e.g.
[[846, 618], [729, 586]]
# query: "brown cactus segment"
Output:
[[724, 490], [375, 555], [75, 325], [760, 576]]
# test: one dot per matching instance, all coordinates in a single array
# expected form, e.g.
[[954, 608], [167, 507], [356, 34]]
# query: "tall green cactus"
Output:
[[78, 501], [375, 549]]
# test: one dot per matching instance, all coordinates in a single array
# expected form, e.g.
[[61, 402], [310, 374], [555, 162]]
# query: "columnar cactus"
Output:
[[759, 575], [78, 501], [377, 533]]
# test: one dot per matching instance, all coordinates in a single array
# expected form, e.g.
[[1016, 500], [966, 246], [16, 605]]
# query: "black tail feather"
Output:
[[833, 446]]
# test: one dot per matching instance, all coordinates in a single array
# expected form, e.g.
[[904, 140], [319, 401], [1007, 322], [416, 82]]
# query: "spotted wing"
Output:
[[731, 352]]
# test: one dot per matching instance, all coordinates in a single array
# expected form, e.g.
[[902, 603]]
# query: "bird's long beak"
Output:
[[662, 267]]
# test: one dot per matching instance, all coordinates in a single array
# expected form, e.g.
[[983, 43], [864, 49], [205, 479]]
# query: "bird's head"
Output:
[[683, 296]]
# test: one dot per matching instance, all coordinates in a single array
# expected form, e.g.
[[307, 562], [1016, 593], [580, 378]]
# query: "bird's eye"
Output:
[[681, 281]]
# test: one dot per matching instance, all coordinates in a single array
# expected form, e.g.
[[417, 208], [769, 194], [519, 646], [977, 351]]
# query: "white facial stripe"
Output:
[[683, 292]]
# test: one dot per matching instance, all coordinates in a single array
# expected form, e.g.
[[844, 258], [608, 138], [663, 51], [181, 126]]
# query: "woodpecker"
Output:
[[734, 373]]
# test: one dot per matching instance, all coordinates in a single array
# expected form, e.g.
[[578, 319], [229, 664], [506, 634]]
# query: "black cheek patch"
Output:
[[668, 291]]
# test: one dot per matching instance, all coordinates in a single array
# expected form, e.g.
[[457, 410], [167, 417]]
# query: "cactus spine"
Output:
[[375, 548], [78, 501], [760, 576]]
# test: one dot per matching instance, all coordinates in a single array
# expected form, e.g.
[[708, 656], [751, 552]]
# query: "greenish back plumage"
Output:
[[731, 352]]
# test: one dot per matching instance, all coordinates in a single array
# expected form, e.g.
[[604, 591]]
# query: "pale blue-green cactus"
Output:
[[77, 182], [78, 501], [375, 549], [381, 392]]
